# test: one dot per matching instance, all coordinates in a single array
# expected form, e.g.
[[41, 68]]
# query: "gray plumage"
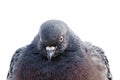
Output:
[[56, 53]]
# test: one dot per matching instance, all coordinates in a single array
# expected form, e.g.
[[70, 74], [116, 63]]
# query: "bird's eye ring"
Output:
[[61, 38]]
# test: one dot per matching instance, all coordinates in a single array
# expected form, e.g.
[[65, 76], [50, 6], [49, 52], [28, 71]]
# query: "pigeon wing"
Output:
[[14, 61], [99, 59]]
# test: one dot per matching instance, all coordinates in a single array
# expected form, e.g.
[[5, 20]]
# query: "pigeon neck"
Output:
[[73, 42]]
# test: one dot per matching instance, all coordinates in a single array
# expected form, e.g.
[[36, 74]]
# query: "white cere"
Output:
[[50, 48]]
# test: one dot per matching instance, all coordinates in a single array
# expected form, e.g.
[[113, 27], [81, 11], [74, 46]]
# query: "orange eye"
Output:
[[61, 38]]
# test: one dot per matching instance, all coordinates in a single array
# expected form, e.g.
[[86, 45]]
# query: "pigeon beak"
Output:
[[50, 52]]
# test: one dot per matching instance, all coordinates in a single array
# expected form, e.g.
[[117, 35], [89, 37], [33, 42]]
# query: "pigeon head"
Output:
[[53, 37]]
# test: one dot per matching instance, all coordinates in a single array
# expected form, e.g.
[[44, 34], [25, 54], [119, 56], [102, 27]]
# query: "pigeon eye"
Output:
[[61, 38]]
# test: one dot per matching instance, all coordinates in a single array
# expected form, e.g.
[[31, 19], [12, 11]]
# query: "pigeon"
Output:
[[57, 53]]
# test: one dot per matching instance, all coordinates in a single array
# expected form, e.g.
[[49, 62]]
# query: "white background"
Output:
[[96, 21]]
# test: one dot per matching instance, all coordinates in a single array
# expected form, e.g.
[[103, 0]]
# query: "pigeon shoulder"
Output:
[[99, 59], [14, 61]]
